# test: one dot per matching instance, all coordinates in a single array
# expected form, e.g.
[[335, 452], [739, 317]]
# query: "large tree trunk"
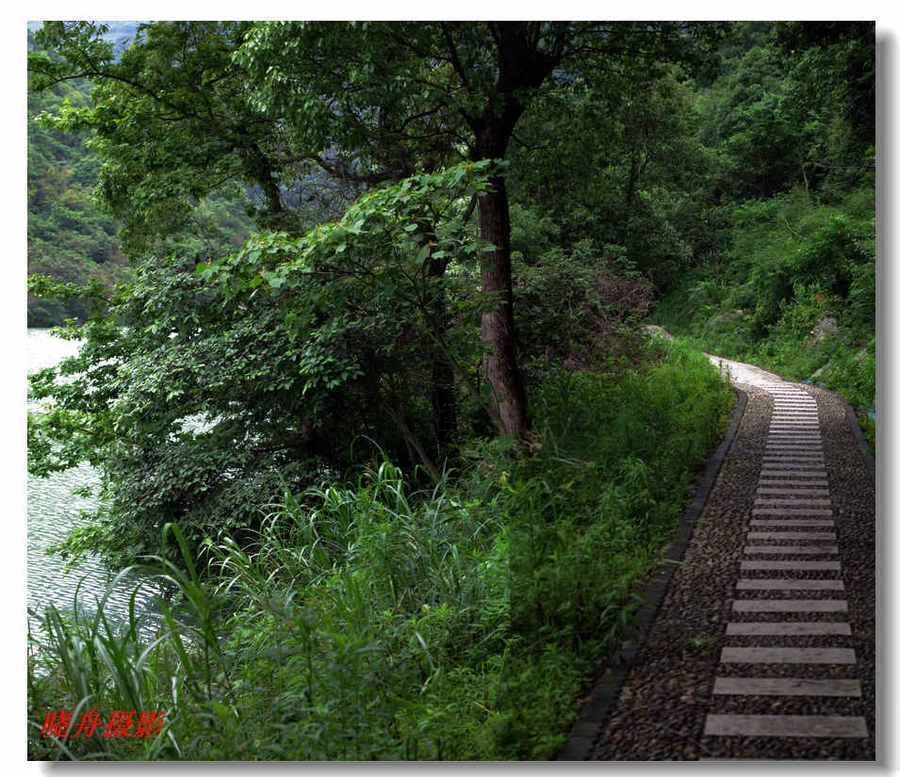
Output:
[[522, 64], [500, 367]]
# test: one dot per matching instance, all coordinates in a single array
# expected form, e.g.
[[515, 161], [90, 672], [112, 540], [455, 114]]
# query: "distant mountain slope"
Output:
[[69, 237]]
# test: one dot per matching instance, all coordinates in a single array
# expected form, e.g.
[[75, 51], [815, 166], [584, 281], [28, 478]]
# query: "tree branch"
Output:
[[454, 58]]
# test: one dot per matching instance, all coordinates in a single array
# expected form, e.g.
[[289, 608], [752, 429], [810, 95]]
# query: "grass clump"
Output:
[[368, 622]]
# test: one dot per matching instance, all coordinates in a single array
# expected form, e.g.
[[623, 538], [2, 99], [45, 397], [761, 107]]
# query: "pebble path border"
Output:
[[793, 679]]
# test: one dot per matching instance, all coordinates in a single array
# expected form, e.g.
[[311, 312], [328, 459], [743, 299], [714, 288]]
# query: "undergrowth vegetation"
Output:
[[794, 294], [368, 621]]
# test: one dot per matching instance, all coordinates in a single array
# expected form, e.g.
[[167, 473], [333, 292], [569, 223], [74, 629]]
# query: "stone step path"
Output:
[[793, 482], [763, 645]]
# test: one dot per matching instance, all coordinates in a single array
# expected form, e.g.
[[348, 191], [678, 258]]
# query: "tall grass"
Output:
[[368, 622]]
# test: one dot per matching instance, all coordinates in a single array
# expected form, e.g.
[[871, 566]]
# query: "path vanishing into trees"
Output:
[[763, 645]]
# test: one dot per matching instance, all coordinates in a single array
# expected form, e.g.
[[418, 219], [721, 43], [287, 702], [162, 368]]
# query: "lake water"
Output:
[[53, 510]]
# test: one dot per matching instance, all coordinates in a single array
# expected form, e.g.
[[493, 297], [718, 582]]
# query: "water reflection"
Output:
[[53, 510]]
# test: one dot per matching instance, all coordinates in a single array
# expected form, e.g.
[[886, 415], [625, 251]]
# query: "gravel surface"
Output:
[[662, 708]]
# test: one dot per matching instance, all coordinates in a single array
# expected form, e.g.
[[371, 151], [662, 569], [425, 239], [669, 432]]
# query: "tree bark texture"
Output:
[[522, 65], [501, 369]]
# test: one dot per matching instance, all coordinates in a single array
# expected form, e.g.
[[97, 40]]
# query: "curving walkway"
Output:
[[763, 646]]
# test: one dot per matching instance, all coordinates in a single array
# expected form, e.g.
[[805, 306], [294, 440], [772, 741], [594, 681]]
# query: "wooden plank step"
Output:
[[814, 464], [783, 469], [800, 501], [791, 535], [789, 467], [790, 522], [785, 686], [792, 474], [771, 471], [778, 457], [787, 655], [787, 511], [786, 726], [810, 459], [778, 448], [788, 629], [792, 565], [787, 584], [790, 605], [787, 550], [799, 491], [774, 455], [799, 455], [792, 479], [801, 461]]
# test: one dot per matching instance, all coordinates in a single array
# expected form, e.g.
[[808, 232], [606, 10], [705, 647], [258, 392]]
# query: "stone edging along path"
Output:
[[760, 643]]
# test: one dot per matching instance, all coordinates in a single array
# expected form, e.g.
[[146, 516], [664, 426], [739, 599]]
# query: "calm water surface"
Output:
[[53, 510]]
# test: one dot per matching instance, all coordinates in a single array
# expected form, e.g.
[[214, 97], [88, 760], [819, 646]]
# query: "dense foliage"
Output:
[[791, 286], [366, 621], [409, 425]]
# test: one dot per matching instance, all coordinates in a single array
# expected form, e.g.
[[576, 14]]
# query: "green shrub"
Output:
[[369, 622]]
